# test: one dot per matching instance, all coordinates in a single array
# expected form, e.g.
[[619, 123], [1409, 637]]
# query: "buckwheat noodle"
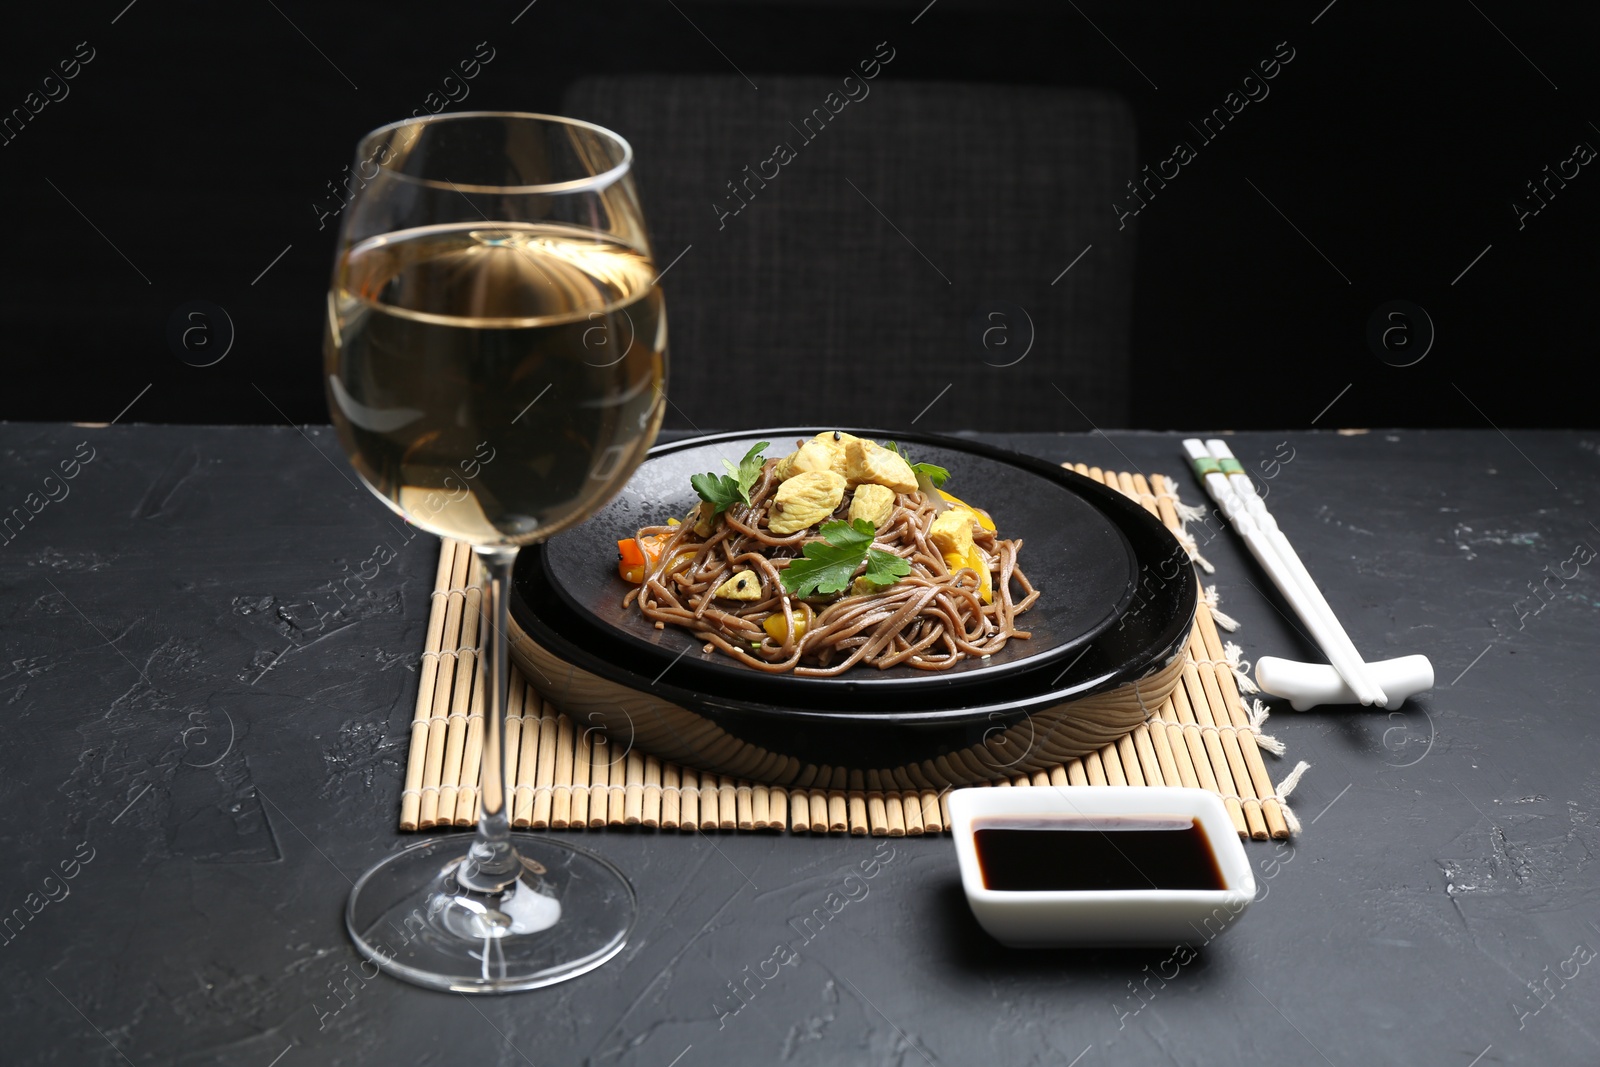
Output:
[[931, 619]]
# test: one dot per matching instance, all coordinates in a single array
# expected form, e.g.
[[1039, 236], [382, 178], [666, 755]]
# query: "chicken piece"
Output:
[[803, 500], [746, 585], [869, 461], [982, 516], [837, 442], [811, 456], [872, 502], [826, 451], [837, 437], [951, 534]]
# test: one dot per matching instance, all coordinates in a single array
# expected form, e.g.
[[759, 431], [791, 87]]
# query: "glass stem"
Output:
[[492, 864]]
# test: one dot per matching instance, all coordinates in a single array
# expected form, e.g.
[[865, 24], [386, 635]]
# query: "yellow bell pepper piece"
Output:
[[974, 559], [776, 630], [977, 562]]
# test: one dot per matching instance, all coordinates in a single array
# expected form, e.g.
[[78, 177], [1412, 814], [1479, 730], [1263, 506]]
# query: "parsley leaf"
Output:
[[718, 491], [885, 568], [722, 491], [829, 565], [935, 473], [749, 469]]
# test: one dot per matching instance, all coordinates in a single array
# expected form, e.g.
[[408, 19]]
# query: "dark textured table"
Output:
[[204, 743]]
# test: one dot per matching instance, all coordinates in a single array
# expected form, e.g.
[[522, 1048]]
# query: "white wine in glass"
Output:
[[495, 361]]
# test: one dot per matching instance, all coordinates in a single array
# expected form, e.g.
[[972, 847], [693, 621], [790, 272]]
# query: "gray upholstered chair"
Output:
[[890, 259]]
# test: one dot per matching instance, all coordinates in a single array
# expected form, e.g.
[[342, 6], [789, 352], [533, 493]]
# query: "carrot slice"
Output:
[[628, 551]]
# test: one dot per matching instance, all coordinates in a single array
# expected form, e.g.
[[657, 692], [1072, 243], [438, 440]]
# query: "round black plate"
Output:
[[1072, 552], [879, 727]]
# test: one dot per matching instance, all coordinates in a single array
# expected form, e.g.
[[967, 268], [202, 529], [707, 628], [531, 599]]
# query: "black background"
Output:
[[200, 136]]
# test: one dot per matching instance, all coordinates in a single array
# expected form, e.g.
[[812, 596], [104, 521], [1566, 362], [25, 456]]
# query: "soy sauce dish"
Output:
[[1049, 866]]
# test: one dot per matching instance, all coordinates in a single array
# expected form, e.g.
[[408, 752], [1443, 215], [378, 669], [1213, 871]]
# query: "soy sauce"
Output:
[[1078, 853]]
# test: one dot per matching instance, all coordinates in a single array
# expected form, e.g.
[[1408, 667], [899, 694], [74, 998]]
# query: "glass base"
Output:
[[569, 912]]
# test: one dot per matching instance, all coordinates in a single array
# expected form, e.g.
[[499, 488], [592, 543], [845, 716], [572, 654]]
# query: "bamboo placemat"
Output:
[[568, 778]]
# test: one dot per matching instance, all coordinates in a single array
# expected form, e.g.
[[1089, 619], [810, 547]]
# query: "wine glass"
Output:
[[496, 357]]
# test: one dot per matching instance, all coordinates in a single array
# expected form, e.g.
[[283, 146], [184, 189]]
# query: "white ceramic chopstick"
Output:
[[1273, 551], [1246, 491]]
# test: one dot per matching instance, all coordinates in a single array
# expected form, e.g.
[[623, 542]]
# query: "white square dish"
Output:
[[1037, 918]]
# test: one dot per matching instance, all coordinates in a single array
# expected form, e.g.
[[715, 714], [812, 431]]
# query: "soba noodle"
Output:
[[931, 619]]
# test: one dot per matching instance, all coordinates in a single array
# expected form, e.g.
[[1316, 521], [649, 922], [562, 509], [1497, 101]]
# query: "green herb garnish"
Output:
[[722, 491], [935, 473], [829, 565]]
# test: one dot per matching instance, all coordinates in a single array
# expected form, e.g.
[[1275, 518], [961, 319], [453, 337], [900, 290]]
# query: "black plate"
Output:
[[878, 728], [866, 729], [1072, 552]]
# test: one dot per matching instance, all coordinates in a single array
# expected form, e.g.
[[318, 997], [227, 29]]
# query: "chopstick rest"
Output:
[[1306, 685]]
